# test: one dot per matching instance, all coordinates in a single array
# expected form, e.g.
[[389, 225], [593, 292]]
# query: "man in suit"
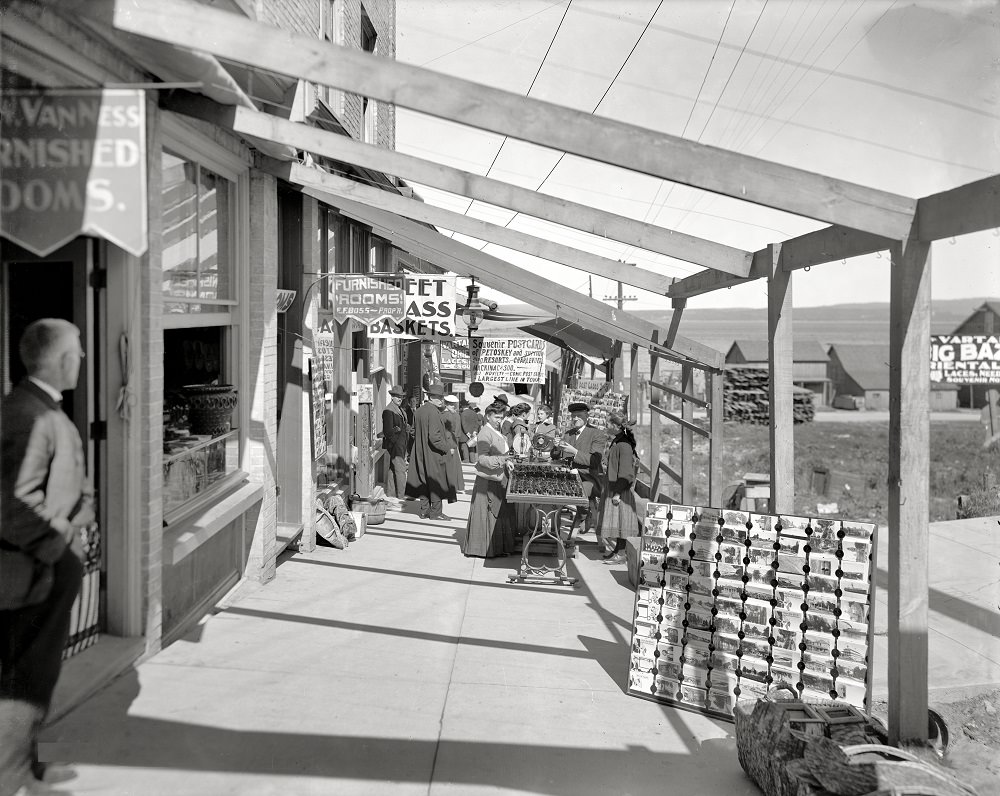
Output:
[[44, 504], [395, 441], [471, 421], [582, 447], [427, 478]]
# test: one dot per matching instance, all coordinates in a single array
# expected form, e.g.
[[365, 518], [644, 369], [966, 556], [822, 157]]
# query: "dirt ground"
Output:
[[973, 729]]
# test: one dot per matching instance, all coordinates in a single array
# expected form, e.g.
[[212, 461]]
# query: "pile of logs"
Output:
[[745, 399]]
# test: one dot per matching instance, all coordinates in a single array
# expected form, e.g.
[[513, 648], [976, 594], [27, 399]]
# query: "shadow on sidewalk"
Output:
[[140, 742]]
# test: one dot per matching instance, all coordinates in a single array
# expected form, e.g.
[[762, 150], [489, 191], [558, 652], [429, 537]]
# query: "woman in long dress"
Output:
[[488, 533], [452, 423], [618, 519]]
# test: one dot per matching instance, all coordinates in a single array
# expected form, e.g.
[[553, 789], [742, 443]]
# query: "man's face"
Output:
[[578, 419], [69, 361]]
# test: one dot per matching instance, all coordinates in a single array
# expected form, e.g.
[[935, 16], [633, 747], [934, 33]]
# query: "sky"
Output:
[[901, 96]]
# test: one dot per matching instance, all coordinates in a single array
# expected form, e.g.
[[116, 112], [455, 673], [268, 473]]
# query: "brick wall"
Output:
[[262, 343]]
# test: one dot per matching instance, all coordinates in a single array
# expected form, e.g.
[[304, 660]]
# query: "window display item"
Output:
[[210, 407]]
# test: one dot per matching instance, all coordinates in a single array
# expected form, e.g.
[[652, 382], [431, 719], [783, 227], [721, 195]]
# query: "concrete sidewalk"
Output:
[[398, 666]]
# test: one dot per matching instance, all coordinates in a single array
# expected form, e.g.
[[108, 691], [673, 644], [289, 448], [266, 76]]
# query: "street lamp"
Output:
[[474, 310]]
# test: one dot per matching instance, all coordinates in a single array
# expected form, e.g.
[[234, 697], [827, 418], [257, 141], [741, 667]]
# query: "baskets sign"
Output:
[[396, 305], [71, 163], [965, 359]]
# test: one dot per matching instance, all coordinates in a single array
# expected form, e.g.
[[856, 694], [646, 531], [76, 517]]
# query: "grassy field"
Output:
[[856, 456]]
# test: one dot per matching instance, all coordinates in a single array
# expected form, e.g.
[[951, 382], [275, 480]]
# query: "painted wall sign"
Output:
[[505, 360], [965, 358], [73, 162]]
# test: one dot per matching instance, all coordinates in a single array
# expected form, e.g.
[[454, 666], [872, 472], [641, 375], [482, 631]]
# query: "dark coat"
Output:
[[590, 445], [472, 421], [621, 466], [395, 430], [428, 474], [452, 422], [42, 489]]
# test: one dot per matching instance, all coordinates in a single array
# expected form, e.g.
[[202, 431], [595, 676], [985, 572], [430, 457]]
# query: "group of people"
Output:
[[604, 459], [427, 444]]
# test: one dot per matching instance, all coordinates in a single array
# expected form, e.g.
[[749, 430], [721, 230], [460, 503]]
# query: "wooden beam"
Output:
[[909, 485], [779, 385], [969, 208], [708, 281], [265, 127], [633, 383], [825, 245], [762, 182], [687, 438], [666, 468], [681, 421], [828, 245], [682, 395], [517, 282], [466, 225], [655, 431], [716, 426]]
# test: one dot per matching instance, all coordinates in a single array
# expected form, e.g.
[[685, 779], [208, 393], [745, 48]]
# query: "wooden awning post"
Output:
[[633, 382], [687, 438], [713, 389], [654, 427], [779, 385], [909, 483]]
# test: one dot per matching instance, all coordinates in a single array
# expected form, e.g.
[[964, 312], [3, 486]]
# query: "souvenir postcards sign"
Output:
[[732, 604]]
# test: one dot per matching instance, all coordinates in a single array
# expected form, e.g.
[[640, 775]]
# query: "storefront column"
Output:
[[147, 422], [311, 265], [262, 356]]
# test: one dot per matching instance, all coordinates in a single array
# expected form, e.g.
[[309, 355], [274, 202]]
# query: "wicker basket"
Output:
[[210, 407]]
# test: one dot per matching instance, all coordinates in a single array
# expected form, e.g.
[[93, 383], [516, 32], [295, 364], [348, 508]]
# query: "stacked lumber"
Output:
[[745, 398]]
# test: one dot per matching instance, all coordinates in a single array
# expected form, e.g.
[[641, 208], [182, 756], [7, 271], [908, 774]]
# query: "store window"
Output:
[[201, 320]]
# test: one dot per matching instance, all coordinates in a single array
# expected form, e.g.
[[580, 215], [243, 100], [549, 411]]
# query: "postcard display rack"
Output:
[[550, 488], [601, 401], [733, 604]]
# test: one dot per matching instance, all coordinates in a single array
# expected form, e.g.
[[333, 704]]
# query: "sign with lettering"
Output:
[[318, 404], [965, 358], [455, 354], [73, 162], [429, 309], [326, 349], [367, 297], [506, 360]]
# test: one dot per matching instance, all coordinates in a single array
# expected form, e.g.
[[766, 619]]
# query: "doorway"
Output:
[[61, 285]]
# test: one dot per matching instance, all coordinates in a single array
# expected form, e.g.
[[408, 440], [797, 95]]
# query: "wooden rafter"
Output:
[[264, 127], [813, 248], [522, 283], [605, 140], [969, 208], [474, 227]]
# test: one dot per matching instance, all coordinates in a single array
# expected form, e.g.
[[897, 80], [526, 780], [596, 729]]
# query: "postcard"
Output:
[[725, 642], [791, 563], [670, 634], [671, 670], [858, 530], [730, 588], [858, 551], [757, 611], [825, 536], [821, 583], [784, 658], [786, 639], [819, 643], [756, 647], [644, 647], [666, 687], [640, 681], [643, 664], [823, 565], [753, 668], [693, 696], [698, 620], [792, 525], [676, 582], [751, 688], [724, 662], [678, 547]]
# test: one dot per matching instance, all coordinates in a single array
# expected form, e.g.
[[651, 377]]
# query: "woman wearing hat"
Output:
[[618, 519], [452, 422], [488, 532]]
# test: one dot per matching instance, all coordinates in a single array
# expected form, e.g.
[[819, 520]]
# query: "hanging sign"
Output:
[[367, 297], [429, 309], [455, 354], [73, 162], [318, 404], [506, 360], [965, 358]]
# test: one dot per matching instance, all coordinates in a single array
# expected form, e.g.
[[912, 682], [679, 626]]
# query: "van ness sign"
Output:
[[73, 162]]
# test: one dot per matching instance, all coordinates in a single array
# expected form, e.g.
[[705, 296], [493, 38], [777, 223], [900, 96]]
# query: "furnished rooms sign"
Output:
[[965, 359], [506, 360], [73, 162]]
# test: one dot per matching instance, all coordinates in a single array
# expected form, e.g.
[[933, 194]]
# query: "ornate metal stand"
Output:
[[546, 527]]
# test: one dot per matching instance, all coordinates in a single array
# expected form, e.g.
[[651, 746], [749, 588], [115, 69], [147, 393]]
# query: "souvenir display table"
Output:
[[550, 488]]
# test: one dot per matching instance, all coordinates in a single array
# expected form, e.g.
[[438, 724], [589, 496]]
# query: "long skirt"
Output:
[[618, 522], [488, 532]]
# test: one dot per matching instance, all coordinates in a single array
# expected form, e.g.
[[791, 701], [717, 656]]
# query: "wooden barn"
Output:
[[859, 378], [809, 364]]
